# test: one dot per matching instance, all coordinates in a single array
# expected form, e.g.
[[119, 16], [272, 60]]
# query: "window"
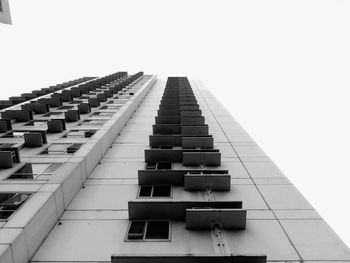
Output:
[[35, 171], [103, 113], [111, 107], [62, 148], [10, 202], [1, 6], [54, 113], [153, 230], [92, 122], [165, 147], [151, 166], [154, 191], [159, 166], [80, 134], [118, 101], [76, 102], [36, 123], [16, 134], [6, 145], [65, 107]]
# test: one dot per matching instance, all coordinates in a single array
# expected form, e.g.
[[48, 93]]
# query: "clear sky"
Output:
[[280, 67]]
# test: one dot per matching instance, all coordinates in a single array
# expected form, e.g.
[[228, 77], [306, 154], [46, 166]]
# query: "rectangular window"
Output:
[[15, 134], [161, 191], [76, 102], [80, 134], [62, 148], [36, 123], [65, 107], [154, 191], [117, 101], [169, 147], [10, 202], [54, 113], [92, 122], [6, 145], [111, 107], [164, 165], [122, 96], [105, 114], [35, 171], [152, 230], [1, 6], [159, 166]]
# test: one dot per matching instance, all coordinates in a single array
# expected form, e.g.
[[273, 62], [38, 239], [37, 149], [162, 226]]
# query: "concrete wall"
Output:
[[280, 222]]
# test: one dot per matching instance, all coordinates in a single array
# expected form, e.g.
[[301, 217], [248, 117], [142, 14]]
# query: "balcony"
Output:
[[196, 214]]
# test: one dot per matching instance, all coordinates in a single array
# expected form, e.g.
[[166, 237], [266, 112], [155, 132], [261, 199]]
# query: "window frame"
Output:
[[103, 114], [56, 114], [44, 122], [63, 152], [144, 232], [93, 122], [14, 211], [156, 164], [85, 131], [37, 175], [152, 191], [66, 107], [14, 134]]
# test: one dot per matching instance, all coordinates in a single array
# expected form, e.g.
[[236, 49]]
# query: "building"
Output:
[[5, 16], [130, 168]]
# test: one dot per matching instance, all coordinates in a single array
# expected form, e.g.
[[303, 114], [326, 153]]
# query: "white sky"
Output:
[[280, 67]]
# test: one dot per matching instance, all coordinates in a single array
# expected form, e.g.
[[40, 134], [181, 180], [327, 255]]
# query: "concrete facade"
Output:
[[5, 15], [83, 212]]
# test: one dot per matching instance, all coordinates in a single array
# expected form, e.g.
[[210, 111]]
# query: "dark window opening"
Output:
[[164, 165], [15, 134], [35, 171], [112, 107], [157, 230], [80, 134], [36, 123], [62, 148], [103, 113], [10, 202], [145, 191], [149, 230], [159, 166], [76, 102], [155, 191], [6, 145], [165, 147], [151, 166], [65, 107], [93, 122], [54, 113], [161, 191], [136, 230]]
